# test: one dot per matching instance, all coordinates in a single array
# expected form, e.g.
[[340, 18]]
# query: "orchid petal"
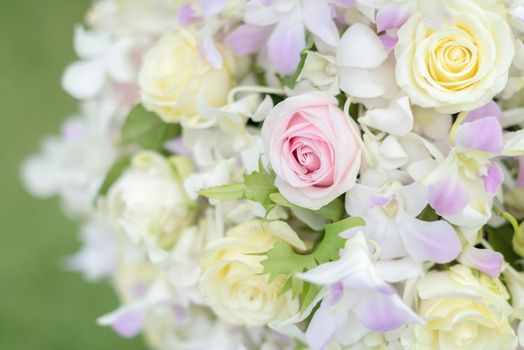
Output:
[[493, 179], [212, 7], [388, 41], [126, 321], [317, 18], [210, 50], [247, 39], [326, 322], [448, 196], [485, 260], [90, 44], [520, 179], [360, 47], [186, 14], [383, 313], [392, 17], [434, 241], [484, 134], [84, 79], [396, 120], [397, 270], [285, 44], [491, 109]]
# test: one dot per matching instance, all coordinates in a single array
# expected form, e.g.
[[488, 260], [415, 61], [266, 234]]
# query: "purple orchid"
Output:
[[281, 26]]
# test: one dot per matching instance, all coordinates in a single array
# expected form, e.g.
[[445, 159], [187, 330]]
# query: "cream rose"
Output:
[[463, 309], [174, 76], [460, 66], [148, 202], [232, 282]]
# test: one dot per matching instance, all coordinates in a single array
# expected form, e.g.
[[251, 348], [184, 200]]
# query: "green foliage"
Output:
[[282, 260], [147, 130], [228, 192], [333, 211], [518, 240], [291, 80], [428, 214], [500, 239], [257, 187], [113, 174]]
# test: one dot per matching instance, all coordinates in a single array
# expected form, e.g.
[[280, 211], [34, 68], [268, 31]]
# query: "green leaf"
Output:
[[308, 295], [281, 200], [291, 80], [334, 211], [428, 214], [500, 239], [113, 174], [147, 130], [259, 185], [226, 192], [283, 260]]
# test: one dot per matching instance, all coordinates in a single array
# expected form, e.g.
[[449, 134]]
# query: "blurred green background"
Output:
[[41, 306]]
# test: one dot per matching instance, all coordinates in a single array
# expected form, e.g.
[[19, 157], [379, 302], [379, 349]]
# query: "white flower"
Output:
[[358, 286], [101, 58], [149, 204], [72, 165], [391, 214], [365, 70], [97, 257], [463, 310], [232, 282], [174, 75], [459, 66]]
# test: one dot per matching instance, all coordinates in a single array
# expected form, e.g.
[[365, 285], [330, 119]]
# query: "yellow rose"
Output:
[[463, 309], [460, 66], [175, 75], [232, 282]]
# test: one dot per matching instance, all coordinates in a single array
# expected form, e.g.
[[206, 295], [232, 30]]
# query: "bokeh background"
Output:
[[41, 306]]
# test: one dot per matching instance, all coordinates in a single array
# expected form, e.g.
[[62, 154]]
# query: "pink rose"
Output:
[[313, 148]]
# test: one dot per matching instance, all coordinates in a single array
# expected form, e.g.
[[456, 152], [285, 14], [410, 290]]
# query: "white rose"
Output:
[[232, 282], [460, 66], [175, 76], [148, 202], [463, 309]]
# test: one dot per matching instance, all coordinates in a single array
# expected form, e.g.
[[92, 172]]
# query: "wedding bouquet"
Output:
[[299, 174]]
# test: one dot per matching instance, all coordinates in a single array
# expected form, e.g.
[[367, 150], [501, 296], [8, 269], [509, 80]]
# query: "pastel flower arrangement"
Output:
[[299, 174]]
